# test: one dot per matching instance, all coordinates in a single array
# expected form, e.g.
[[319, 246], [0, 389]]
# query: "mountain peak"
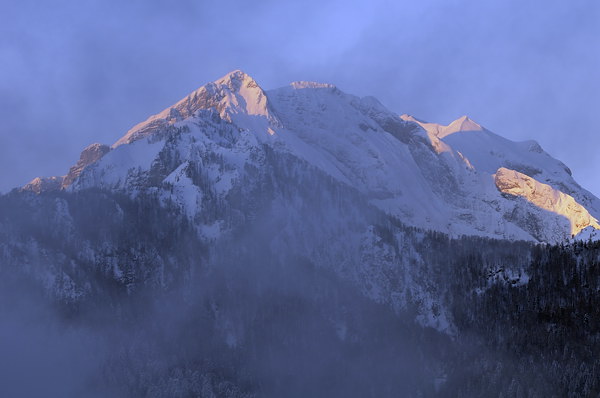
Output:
[[235, 74], [235, 79], [235, 96], [463, 123]]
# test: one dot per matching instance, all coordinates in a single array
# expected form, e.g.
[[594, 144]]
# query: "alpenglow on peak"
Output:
[[463, 123], [235, 95]]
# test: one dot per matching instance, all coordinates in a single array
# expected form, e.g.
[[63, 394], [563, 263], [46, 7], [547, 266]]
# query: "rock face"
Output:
[[88, 156], [44, 184], [436, 177], [234, 96], [545, 197]]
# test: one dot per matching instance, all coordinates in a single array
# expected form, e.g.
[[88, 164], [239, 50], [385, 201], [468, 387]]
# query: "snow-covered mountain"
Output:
[[247, 243], [459, 179]]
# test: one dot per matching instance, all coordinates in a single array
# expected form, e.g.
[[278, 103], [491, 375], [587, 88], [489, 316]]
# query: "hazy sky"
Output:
[[83, 71]]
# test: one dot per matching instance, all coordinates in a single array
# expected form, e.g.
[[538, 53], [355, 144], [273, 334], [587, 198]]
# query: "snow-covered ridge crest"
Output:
[[463, 123], [544, 196], [236, 97], [304, 84]]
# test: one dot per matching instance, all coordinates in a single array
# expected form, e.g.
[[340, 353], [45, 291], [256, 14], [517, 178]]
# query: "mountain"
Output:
[[450, 178], [300, 242]]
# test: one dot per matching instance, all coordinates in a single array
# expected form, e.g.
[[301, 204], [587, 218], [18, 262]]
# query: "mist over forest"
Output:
[[119, 298]]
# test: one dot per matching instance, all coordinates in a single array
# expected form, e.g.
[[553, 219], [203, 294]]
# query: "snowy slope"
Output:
[[425, 174]]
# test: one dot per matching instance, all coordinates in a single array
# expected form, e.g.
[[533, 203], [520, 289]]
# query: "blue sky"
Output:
[[77, 72]]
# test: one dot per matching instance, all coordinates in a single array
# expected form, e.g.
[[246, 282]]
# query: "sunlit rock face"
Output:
[[236, 97], [89, 155], [44, 184], [545, 197]]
